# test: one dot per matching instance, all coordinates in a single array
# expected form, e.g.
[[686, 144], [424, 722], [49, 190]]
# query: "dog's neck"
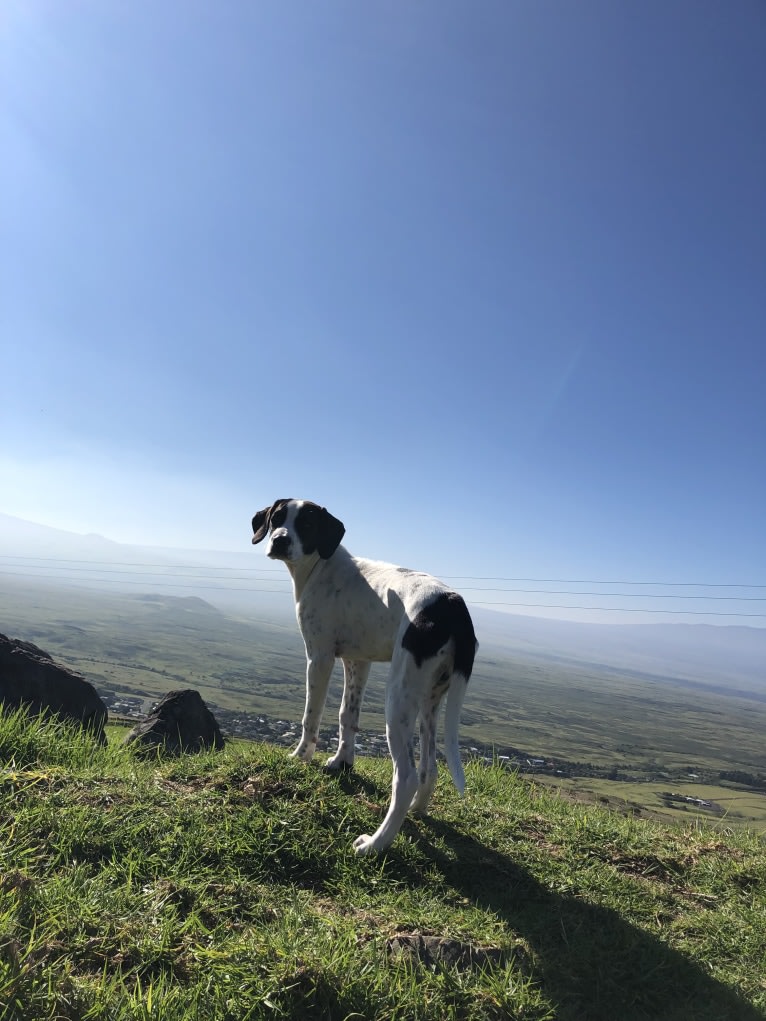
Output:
[[300, 571]]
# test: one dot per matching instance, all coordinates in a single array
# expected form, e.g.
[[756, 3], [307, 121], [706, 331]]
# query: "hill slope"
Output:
[[225, 886]]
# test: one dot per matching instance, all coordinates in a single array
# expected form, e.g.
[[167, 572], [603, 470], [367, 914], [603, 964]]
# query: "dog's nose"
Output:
[[280, 545]]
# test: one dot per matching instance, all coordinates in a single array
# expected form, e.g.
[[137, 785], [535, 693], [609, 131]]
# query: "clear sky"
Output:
[[487, 280]]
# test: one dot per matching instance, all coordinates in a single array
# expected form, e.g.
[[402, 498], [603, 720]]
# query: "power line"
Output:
[[465, 588], [229, 581], [148, 582], [622, 609], [595, 581], [97, 564], [158, 567], [106, 565], [618, 595], [160, 582]]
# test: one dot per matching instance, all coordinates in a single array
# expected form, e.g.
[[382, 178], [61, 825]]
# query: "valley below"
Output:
[[643, 742]]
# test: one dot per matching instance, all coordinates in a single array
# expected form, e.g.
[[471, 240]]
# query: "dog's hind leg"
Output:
[[427, 769], [402, 702], [355, 674], [318, 670]]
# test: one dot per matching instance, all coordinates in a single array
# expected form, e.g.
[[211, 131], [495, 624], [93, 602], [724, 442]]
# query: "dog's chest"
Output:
[[348, 625], [348, 616]]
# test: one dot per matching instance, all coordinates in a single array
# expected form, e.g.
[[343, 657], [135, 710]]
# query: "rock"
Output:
[[29, 677], [180, 722], [433, 950]]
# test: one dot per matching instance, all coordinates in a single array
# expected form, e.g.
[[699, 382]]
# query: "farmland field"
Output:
[[729, 805]]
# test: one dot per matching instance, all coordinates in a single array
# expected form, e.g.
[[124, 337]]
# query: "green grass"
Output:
[[224, 886]]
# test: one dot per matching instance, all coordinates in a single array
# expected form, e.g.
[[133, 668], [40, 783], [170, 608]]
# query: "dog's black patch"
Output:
[[318, 531], [446, 617], [279, 516]]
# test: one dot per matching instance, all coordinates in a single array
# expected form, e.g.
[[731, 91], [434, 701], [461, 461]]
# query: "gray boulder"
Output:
[[29, 677], [180, 722]]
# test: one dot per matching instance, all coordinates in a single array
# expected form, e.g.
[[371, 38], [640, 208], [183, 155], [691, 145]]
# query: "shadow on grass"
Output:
[[593, 964], [351, 782]]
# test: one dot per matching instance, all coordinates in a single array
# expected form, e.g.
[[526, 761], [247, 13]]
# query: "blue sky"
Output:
[[487, 280]]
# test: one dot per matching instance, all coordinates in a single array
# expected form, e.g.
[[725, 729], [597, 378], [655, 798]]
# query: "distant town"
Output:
[[261, 727]]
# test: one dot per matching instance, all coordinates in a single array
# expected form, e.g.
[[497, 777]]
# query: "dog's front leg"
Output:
[[355, 674], [318, 670]]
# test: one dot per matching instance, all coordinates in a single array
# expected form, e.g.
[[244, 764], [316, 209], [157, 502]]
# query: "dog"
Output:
[[365, 611]]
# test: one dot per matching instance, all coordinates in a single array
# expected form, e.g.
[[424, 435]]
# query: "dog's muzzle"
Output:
[[279, 547]]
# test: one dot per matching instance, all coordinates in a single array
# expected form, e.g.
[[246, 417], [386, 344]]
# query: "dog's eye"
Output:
[[278, 518]]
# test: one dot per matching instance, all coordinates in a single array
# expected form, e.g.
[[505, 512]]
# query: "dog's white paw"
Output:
[[365, 844], [419, 804], [304, 751], [336, 764]]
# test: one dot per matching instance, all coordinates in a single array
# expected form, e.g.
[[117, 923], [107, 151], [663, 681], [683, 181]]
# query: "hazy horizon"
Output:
[[247, 585], [37, 551]]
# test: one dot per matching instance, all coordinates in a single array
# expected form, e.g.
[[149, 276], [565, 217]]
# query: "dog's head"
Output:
[[298, 528]]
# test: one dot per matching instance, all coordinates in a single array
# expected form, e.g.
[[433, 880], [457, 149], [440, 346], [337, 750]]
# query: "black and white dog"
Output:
[[364, 611]]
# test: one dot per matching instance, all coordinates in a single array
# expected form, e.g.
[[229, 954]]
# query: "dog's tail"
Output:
[[465, 652], [455, 696]]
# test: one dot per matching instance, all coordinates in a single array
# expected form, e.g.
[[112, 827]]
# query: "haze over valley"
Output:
[[580, 703], [728, 656]]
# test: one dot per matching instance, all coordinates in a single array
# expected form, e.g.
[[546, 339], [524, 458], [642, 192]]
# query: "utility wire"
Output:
[[97, 565], [619, 595], [595, 581], [14, 570], [101, 568], [543, 606], [623, 609], [95, 569], [148, 582], [546, 606]]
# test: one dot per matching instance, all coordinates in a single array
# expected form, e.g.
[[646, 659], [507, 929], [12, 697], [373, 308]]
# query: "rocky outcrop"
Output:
[[180, 722], [29, 677]]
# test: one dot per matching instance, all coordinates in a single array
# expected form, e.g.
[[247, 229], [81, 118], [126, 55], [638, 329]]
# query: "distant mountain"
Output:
[[55, 556], [733, 656], [26, 538], [179, 604]]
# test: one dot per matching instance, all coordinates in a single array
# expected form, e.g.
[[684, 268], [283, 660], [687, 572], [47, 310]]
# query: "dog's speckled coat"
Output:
[[365, 611]]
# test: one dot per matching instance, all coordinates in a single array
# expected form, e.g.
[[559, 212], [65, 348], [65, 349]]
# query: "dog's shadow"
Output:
[[587, 959], [351, 782]]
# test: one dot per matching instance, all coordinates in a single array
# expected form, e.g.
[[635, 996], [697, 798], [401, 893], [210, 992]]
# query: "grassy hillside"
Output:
[[603, 726], [224, 886]]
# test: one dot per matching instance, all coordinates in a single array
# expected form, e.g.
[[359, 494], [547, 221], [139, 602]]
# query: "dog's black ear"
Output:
[[262, 520], [261, 524], [329, 534]]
